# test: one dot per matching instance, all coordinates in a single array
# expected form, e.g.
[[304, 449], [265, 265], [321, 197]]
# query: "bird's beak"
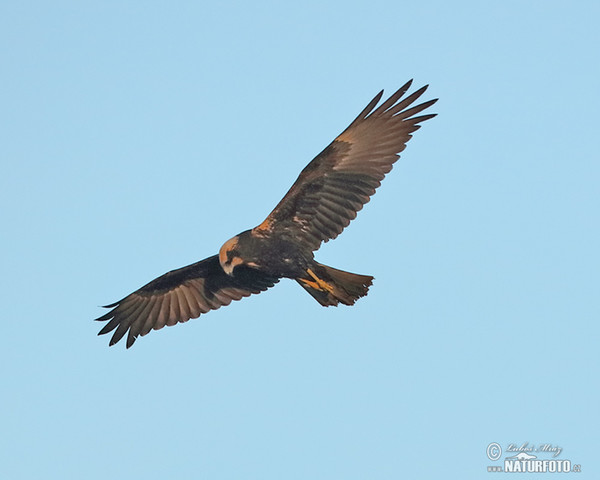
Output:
[[228, 267]]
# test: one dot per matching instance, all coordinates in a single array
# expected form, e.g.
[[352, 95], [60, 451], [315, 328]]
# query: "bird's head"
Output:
[[229, 256], [238, 250]]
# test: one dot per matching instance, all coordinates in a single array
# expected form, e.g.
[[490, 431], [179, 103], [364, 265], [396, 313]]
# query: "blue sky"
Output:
[[136, 137]]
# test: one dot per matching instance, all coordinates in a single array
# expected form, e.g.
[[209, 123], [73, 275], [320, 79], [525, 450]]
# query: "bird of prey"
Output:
[[327, 195]]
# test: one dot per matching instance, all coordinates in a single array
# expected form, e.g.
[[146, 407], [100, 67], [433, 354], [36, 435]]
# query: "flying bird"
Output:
[[327, 195]]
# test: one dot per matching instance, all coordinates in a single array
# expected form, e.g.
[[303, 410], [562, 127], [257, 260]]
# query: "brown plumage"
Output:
[[321, 203], [180, 295]]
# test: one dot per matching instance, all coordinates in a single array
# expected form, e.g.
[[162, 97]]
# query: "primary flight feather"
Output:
[[327, 195]]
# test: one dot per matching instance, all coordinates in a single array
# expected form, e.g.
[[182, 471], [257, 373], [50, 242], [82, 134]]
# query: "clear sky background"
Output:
[[136, 137]]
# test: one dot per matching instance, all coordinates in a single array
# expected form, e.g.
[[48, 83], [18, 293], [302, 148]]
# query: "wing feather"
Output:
[[148, 312], [341, 179], [179, 296]]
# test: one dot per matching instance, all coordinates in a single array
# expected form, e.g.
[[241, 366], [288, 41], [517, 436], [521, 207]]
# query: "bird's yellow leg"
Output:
[[321, 283], [314, 285]]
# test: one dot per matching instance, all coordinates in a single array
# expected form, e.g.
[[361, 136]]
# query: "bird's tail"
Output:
[[330, 286]]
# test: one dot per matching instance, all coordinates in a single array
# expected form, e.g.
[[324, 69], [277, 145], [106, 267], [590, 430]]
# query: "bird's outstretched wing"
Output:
[[180, 295], [340, 180]]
